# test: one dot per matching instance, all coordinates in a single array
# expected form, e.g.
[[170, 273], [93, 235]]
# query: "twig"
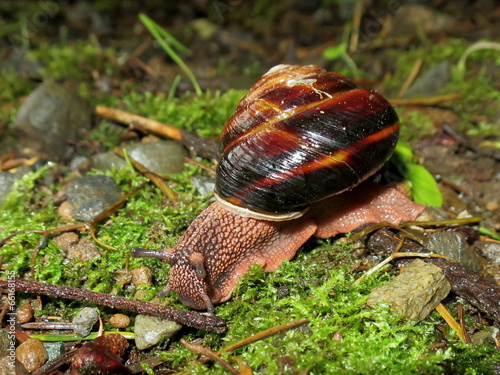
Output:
[[411, 78], [462, 323], [383, 224], [153, 177], [266, 333], [203, 166], [441, 223], [466, 143], [209, 354], [443, 311], [188, 318], [205, 147], [356, 21], [425, 101], [397, 255], [129, 118], [50, 367], [261, 336], [142, 47]]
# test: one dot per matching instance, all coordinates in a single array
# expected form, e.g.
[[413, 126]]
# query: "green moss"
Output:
[[417, 126], [374, 341], [76, 60], [205, 114], [12, 87]]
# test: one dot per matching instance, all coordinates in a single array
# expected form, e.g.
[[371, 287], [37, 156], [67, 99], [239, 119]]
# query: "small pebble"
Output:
[[120, 321], [84, 250], [54, 349], [142, 276], [204, 185], [66, 239], [163, 157], [5, 342], [24, 313], [150, 330], [123, 277], [490, 250], [337, 336], [65, 210], [31, 354], [84, 321]]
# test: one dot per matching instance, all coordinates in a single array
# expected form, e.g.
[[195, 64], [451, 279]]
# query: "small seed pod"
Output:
[[301, 135]]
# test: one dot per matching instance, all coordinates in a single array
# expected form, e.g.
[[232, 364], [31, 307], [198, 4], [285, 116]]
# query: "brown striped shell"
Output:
[[300, 135]]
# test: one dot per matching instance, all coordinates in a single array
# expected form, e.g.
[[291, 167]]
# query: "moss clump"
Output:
[[343, 335], [204, 114]]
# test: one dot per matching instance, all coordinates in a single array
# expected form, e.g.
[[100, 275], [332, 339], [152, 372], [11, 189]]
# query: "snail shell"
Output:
[[301, 135]]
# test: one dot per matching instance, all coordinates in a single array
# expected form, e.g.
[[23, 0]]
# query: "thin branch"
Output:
[[410, 78], [435, 100], [209, 354], [261, 336], [129, 118], [356, 22], [188, 318]]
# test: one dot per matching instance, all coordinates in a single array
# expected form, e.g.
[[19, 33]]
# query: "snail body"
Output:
[[297, 140]]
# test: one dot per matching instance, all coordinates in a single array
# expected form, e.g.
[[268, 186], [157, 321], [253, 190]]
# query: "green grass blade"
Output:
[[162, 36]]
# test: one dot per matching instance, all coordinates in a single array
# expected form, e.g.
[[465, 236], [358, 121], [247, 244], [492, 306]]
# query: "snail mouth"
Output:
[[200, 302], [191, 291]]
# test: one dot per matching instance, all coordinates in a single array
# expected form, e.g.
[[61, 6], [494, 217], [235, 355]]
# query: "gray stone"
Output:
[[150, 330], [431, 82], [90, 195], [50, 119], [54, 349], [84, 321], [161, 157], [107, 161], [204, 185]]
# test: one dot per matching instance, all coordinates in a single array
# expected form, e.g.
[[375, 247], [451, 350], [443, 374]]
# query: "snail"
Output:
[[296, 146]]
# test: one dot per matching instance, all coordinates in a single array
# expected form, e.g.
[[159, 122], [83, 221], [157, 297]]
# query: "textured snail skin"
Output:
[[220, 246]]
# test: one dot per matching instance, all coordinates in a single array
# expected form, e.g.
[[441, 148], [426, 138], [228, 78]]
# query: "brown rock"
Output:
[[31, 354], [119, 321], [142, 276], [24, 313]]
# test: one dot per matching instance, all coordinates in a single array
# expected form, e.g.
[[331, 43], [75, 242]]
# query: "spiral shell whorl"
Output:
[[300, 135]]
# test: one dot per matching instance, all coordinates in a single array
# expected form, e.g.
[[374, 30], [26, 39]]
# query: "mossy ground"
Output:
[[343, 336]]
